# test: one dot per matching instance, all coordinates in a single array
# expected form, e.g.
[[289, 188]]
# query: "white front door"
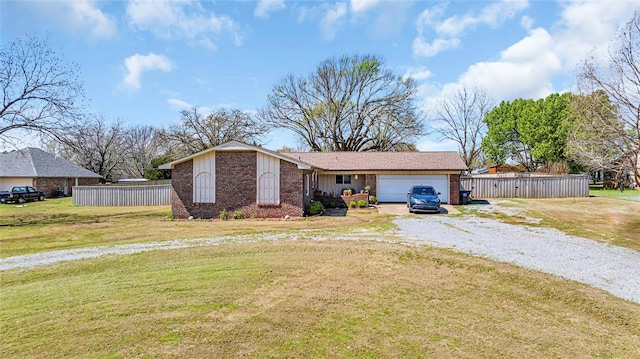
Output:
[[394, 188]]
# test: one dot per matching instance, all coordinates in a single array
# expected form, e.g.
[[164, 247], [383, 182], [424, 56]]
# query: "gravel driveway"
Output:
[[611, 268], [614, 269]]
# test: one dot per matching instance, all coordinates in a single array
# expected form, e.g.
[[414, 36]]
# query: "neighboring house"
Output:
[[240, 177], [42, 170]]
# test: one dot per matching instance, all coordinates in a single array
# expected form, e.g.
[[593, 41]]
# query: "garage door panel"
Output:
[[7, 183], [394, 188]]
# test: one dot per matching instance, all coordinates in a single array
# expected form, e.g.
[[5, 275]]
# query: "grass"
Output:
[[307, 299], [605, 219], [632, 195], [56, 224]]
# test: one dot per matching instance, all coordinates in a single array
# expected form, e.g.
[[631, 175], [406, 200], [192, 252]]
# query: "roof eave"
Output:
[[237, 146]]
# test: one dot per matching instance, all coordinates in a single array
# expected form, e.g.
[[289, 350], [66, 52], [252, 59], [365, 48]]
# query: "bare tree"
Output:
[[196, 132], [593, 136], [142, 144], [459, 117], [40, 91], [347, 104], [97, 146], [619, 80]]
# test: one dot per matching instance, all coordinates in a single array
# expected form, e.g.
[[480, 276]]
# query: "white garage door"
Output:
[[394, 188], [7, 183]]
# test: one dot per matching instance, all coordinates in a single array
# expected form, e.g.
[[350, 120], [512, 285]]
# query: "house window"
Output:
[[306, 184], [343, 179]]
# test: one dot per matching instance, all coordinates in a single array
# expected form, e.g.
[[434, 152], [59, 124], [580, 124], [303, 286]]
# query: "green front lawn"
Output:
[[307, 299], [628, 194], [57, 224]]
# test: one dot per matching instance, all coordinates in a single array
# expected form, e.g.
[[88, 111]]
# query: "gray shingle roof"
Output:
[[382, 161], [35, 163]]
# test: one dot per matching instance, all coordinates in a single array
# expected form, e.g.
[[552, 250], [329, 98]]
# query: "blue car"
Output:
[[423, 199]]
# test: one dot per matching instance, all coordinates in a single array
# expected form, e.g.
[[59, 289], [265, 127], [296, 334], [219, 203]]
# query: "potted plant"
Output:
[[367, 188], [347, 192]]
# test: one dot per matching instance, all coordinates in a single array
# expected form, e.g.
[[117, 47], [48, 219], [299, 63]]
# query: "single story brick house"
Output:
[[239, 177], [37, 168]]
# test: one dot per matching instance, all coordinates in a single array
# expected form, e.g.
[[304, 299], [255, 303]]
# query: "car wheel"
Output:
[[21, 200], [41, 198]]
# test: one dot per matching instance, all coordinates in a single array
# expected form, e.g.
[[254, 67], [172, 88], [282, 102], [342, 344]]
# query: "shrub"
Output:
[[352, 204], [224, 215], [315, 208], [332, 204], [238, 215], [373, 199], [362, 203]]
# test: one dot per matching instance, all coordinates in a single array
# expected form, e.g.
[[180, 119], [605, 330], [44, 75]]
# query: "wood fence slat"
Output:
[[153, 195], [527, 187]]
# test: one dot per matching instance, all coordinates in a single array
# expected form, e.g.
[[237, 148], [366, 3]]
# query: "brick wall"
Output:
[[236, 189], [50, 185], [454, 189], [370, 180]]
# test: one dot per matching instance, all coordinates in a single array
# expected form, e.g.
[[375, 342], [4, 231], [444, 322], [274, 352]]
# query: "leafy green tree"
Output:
[[351, 103], [528, 132], [153, 173]]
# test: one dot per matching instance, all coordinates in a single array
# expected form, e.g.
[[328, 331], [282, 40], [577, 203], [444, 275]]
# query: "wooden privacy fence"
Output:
[[122, 195], [527, 187]]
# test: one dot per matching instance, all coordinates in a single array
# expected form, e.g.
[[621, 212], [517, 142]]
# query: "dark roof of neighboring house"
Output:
[[382, 161], [35, 163]]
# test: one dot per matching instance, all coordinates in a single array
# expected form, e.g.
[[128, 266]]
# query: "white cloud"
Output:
[[525, 69], [363, 5], [589, 25], [181, 20], [85, 15], [265, 7], [179, 104], [429, 144], [422, 48], [529, 67], [526, 22], [82, 17], [450, 30], [388, 17], [331, 21], [137, 64], [418, 73]]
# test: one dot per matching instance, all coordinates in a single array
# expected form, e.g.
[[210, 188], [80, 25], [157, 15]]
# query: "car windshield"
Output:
[[425, 191]]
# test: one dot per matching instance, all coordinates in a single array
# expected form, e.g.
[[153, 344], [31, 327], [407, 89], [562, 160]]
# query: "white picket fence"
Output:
[[159, 195], [527, 187]]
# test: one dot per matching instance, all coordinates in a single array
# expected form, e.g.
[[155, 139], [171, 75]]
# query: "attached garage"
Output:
[[394, 188], [386, 175]]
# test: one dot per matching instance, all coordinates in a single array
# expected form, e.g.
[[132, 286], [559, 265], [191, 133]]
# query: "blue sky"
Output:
[[144, 61]]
